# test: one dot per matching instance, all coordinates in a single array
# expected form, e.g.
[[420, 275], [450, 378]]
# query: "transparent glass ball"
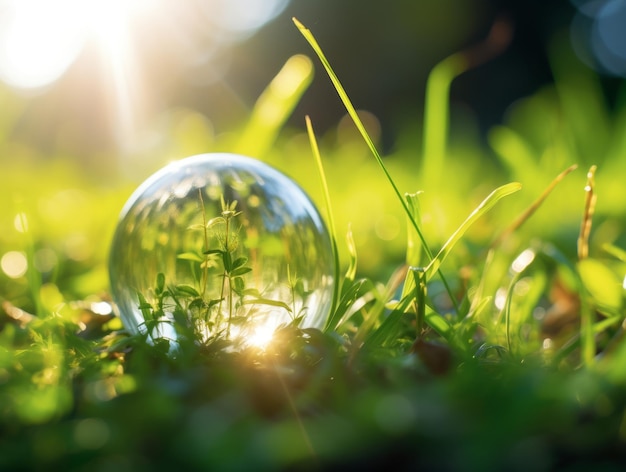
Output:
[[220, 245]]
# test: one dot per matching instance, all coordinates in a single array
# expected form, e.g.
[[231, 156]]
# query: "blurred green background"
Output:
[[95, 96]]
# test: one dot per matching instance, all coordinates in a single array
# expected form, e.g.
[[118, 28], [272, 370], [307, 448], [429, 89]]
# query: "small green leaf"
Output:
[[197, 303], [160, 283], [187, 290], [240, 261], [215, 221], [239, 271], [238, 285], [269, 302], [252, 292], [227, 260], [144, 307], [190, 256], [439, 324]]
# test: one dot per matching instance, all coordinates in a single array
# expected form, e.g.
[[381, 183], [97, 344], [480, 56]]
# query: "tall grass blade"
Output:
[[368, 140], [590, 205], [414, 249], [33, 276], [358, 123], [274, 106], [437, 106], [329, 212]]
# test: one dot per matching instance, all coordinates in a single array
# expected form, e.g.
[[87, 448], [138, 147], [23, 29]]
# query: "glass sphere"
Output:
[[220, 245]]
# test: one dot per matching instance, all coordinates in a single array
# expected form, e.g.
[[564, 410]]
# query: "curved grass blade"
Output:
[[349, 296], [275, 105], [521, 219], [388, 328], [615, 251], [486, 205], [368, 140], [358, 123], [586, 313], [437, 104]]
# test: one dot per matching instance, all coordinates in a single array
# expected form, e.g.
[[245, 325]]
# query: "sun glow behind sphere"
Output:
[[40, 39]]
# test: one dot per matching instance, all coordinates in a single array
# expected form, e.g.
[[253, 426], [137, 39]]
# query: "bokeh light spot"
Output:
[[14, 264], [45, 260], [598, 35], [523, 260], [20, 222], [387, 227]]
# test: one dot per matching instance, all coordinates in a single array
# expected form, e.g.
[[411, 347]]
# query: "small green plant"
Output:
[[195, 312], [233, 267]]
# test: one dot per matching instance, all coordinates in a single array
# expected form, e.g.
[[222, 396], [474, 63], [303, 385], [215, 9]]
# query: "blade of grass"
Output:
[[615, 251], [33, 276], [413, 247], [590, 205], [351, 271], [329, 213], [388, 328], [521, 219], [350, 294], [275, 105], [587, 337], [436, 106], [486, 205], [359, 124], [419, 279], [376, 311]]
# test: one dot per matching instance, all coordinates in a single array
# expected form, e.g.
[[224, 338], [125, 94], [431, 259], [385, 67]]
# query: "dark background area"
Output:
[[383, 53]]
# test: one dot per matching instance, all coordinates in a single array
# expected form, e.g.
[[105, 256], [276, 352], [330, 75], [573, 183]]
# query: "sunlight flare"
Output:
[[261, 335], [39, 39]]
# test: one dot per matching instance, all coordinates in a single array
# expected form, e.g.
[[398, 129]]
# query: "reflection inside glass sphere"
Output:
[[220, 245]]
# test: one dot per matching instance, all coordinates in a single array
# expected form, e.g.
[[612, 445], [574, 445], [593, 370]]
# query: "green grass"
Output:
[[488, 336]]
